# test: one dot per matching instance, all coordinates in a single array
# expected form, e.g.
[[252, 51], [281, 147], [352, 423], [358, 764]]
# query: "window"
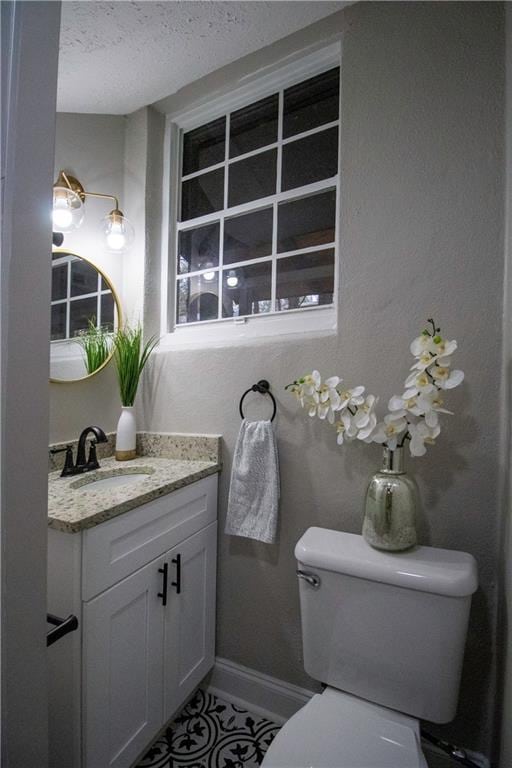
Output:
[[258, 187]]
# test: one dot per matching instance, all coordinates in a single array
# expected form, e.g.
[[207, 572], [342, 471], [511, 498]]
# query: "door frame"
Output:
[[30, 46]]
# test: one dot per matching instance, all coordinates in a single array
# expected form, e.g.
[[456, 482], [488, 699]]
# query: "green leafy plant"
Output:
[[130, 357], [96, 345]]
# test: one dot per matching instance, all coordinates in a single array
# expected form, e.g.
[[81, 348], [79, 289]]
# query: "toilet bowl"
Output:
[[385, 632], [338, 730]]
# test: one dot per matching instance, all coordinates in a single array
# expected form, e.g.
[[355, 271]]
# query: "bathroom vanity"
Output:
[[136, 563]]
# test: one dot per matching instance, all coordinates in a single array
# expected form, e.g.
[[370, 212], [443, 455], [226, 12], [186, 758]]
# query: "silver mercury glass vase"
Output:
[[390, 506]]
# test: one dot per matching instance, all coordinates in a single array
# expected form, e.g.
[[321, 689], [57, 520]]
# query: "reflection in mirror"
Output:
[[85, 312]]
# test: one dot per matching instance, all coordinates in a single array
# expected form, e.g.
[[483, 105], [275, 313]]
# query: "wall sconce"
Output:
[[68, 213]]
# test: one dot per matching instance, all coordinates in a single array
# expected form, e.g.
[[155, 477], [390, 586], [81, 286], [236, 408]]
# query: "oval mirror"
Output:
[[85, 312]]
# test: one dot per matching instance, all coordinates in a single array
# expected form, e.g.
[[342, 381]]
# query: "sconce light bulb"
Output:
[[62, 218], [118, 232], [209, 276], [68, 210]]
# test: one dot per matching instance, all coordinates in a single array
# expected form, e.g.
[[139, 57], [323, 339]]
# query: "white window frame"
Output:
[[317, 320]]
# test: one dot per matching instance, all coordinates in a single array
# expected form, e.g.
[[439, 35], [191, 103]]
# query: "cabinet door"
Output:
[[189, 644], [122, 674]]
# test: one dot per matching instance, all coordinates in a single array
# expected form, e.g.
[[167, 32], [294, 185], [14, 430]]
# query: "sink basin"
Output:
[[108, 481]]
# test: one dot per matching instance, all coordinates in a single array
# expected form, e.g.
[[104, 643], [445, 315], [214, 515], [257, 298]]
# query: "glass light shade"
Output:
[[68, 210], [118, 232]]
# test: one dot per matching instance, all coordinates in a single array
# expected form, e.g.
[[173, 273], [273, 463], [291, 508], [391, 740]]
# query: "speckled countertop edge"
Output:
[[69, 508]]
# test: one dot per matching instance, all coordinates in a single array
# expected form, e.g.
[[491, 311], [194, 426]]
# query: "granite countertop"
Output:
[[71, 508]]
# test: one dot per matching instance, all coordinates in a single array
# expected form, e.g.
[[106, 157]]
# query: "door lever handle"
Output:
[[61, 627]]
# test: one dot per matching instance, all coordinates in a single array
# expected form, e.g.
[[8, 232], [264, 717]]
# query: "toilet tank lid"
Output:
[[426, 569]]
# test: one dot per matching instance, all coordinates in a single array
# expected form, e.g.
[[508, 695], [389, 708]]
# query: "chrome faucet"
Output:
[[81, 465]]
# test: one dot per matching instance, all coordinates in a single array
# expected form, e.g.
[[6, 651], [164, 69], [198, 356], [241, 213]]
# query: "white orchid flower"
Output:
[[422, 344], [439, 351], [311, 383], [345, 428], [417, 383], [430, 405], [297, 391], [366, 433], [329, 398], [390, 430], [420, 434], [363, 414], [351, 397], [445, 378], [442, 347]]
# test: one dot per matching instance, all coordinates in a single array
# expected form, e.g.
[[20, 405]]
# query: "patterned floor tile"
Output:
[[212, 733]]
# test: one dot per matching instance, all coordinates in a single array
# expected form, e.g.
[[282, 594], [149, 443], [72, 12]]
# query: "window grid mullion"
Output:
[[278, 192], [221, 221]]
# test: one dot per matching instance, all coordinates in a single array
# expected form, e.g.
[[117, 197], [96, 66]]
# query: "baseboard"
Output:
[[278, 701], [259, 693]]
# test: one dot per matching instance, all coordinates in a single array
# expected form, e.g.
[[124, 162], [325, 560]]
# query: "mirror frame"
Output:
[[117, 303]]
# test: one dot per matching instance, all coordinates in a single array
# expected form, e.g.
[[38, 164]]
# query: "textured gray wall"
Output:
[[422, 229]]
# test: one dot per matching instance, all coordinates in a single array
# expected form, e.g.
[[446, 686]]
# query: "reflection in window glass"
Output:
[[198, 248], [252, 178], [80, 312], [198, 298], [84, 278], [58, 329], [59, 281], [247, 290], [306, 222], [254, 126], [202, 194], [248, 237], [311, 103], [204, 146], [311, 159], [305, 280]]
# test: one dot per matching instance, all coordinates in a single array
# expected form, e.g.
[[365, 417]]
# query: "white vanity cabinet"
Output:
[[143, 588]]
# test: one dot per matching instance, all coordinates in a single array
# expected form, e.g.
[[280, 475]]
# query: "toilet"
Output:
[[385, 633]]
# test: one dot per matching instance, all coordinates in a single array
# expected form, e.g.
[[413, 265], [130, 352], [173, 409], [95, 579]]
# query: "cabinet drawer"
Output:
[[118, 547]]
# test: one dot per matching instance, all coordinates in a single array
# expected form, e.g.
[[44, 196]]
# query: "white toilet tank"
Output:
[[387, 627]]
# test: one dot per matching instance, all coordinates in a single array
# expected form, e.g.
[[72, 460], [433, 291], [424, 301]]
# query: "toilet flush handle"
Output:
[[311, 578]]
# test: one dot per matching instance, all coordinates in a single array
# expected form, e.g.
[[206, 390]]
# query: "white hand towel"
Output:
[[254, 491]]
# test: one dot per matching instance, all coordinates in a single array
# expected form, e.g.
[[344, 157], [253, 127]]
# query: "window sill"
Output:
[[317, 321]]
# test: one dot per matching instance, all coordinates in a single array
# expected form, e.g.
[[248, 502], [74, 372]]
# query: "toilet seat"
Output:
[[338, 730]]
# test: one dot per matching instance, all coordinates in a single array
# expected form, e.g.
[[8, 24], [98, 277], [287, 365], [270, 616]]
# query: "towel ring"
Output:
[[263, 387]]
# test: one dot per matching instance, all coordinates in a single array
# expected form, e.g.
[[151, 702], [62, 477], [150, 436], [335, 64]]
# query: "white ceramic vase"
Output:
[[126, 434]]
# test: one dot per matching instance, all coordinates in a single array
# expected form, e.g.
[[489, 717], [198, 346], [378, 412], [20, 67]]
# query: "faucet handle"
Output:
[[92, 461], [68, 462]]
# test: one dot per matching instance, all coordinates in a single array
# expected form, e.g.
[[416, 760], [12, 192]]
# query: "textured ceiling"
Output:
[[118, 56]]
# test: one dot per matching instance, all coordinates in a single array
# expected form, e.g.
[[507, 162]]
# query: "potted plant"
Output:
[[130, 357]]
